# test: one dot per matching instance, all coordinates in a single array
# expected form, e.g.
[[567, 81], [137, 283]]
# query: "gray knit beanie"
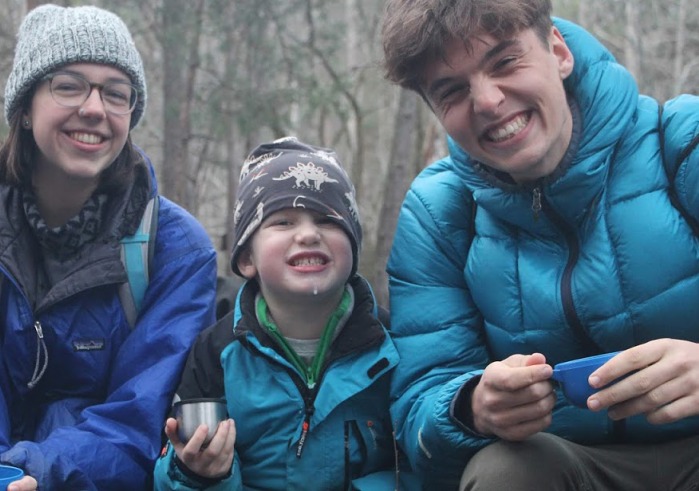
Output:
[[288, 173], [51, 36]]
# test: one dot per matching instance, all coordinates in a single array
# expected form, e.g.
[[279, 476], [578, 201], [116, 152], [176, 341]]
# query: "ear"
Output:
[[560, 50], [246, 265]]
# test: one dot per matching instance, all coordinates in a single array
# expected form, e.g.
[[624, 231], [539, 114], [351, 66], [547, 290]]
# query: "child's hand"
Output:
[[27, 483], [213, 461]]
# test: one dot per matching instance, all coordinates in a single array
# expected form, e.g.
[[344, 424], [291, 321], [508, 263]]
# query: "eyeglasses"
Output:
[[72, 90]]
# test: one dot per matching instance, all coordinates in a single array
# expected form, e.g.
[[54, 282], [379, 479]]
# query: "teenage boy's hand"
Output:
[[665, 386], [213, 461], [514, 398]]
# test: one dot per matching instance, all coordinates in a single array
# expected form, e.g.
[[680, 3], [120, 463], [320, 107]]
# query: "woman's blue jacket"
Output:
[[94, 420]]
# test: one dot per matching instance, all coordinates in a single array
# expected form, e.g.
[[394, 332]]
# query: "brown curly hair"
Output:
[[415, 32]]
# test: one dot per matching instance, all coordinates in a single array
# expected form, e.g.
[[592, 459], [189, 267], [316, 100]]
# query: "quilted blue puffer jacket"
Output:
[[83, 406], [477, 275]]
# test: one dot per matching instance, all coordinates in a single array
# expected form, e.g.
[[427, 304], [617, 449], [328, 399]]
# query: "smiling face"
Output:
[[503, 101], [297, 255], [76, 144]]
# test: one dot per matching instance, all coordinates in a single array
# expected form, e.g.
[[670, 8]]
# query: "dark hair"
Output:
[[415, 32], [19, 151]]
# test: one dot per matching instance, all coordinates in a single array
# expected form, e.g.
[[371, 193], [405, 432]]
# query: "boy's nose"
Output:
[[308, 233]]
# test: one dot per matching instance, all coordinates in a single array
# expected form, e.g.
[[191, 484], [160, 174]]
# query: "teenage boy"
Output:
[[559, 226]]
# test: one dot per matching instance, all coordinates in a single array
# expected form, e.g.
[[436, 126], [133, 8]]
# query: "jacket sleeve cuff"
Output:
[[196, 479], [460, 410]]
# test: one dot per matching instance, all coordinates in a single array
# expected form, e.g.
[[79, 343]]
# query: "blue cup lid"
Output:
[[9, 474], [584, 362]]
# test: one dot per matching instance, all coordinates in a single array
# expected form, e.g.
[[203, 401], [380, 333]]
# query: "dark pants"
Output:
[[547, 462]]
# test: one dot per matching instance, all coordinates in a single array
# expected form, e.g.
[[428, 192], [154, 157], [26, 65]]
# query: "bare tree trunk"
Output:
[[678, 70], [190, 178], [356, 124], [584, 13], [233, 153], [180, 48], [400, 175], [174, 144], [632, 40]]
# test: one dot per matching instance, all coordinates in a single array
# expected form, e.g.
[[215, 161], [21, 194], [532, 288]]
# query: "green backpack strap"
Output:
[[136, 255]]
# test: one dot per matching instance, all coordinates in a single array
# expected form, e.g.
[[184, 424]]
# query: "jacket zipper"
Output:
[[569, 310], [347, 455], [310, 409], [40, 346], [308, 389], [5, 277]]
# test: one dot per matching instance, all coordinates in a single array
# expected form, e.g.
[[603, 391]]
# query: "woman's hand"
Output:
[[664, 387], [212, 461], [27, 483], [514, 398]]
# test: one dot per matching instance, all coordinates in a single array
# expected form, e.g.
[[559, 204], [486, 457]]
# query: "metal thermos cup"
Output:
[[190, 413]]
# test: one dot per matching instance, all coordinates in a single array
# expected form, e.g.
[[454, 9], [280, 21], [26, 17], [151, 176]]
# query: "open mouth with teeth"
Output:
[[89, 138], [510, 129], [308, 261]]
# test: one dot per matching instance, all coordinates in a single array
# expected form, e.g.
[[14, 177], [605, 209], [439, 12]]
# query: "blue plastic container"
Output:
[[572, 377], [9, 474]]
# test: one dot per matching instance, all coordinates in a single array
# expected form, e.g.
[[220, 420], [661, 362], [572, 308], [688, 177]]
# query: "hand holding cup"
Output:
[[191, 413], [206, 453]]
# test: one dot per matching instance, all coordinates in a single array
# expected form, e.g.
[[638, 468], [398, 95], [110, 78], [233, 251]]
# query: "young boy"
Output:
[[302, 361]]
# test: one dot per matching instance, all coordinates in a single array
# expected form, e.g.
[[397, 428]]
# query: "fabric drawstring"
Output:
[[536, 202], [40, 346], [396, 460]]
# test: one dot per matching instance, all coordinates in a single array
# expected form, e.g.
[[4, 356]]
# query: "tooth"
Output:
[[509, 129], [86, 138]]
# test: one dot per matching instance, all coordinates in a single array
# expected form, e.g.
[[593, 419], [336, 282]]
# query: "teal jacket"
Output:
[[608, 263], [349, 443]]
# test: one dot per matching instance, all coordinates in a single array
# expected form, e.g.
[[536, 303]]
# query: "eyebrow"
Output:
[[79, 74], [438, 84]]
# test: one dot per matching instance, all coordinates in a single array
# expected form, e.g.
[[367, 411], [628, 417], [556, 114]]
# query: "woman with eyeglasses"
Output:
[[83, 394]]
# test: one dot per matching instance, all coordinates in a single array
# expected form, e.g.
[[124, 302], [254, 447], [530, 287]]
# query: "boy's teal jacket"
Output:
[[476, 275], [94, 421], [350, 433]]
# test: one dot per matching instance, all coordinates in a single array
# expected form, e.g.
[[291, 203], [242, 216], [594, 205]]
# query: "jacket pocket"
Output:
[[368, 447]]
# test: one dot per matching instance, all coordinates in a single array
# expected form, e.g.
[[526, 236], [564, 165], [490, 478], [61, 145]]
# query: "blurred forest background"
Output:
[[225, 75]]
